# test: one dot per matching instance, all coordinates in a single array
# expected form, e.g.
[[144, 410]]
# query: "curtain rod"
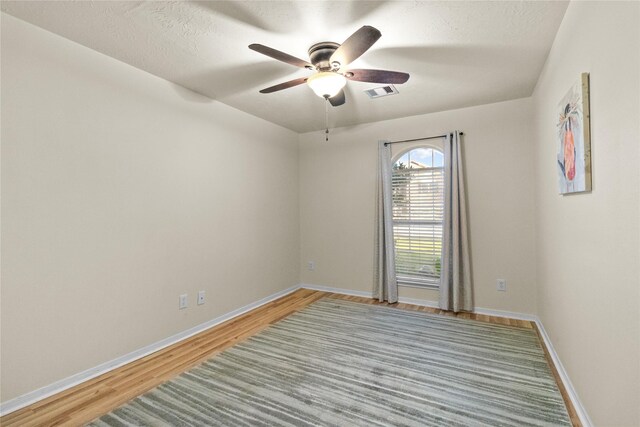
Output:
[[419, 139]]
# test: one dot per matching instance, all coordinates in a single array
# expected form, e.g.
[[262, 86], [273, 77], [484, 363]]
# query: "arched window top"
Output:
[[420, 158]]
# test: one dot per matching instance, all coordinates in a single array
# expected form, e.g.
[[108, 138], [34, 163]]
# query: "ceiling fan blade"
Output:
[[280, 56], [285, 85], [357, 44], [338, 99], [377, 76]]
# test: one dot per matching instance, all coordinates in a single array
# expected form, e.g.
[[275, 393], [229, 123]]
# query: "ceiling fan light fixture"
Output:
[[326, 84]]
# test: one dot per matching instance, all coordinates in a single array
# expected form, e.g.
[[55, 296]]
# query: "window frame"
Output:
[[433, 284]]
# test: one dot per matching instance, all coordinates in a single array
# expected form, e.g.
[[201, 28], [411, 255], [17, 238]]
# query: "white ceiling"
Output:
[[459, 54]]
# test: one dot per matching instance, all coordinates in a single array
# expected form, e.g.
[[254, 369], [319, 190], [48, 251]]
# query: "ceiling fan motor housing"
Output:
[[320, 55]]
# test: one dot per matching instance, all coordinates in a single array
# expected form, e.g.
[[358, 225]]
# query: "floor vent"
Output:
[[382, 91]]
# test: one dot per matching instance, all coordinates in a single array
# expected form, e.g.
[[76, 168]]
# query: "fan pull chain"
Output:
[[326, 119]]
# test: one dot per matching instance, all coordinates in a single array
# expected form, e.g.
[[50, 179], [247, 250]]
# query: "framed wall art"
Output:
[[574, 139]]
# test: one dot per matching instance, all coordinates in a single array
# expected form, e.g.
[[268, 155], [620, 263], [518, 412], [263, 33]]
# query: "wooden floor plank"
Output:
[[93, 398]]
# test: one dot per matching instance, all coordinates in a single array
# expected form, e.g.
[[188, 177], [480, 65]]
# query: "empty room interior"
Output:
[[327, 213]]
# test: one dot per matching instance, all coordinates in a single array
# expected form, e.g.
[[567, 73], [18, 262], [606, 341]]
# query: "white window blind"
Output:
[[418, 205]]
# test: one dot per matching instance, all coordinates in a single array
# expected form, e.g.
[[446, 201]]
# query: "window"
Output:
[[417, 184]]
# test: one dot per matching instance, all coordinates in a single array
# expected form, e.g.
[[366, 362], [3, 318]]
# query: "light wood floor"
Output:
[[89, 400]]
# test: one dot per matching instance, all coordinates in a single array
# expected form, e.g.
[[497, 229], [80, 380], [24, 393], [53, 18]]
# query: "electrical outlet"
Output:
[[200, 297], [501, 285], [311, 265], [183, 301]]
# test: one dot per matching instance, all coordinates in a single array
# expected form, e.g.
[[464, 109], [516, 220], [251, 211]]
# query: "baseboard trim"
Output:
[[66, 383], [420, 302], [564, 377], [367, 294], [571, 391], [504, 313], [341, 291]]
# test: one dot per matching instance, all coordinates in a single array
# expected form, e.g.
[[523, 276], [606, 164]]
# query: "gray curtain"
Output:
[[385, 286], [455, 276]]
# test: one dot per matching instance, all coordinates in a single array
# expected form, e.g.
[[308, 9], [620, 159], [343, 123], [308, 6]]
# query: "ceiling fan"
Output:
[[329, 60]]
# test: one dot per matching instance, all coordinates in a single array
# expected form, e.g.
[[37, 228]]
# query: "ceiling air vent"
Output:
[[382, 91]]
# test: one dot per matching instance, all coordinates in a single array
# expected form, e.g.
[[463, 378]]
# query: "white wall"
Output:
[[588, 246], [121, 191], [337, 200]]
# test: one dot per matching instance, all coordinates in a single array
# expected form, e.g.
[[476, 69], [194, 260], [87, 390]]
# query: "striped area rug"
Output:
[[342, 363]]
